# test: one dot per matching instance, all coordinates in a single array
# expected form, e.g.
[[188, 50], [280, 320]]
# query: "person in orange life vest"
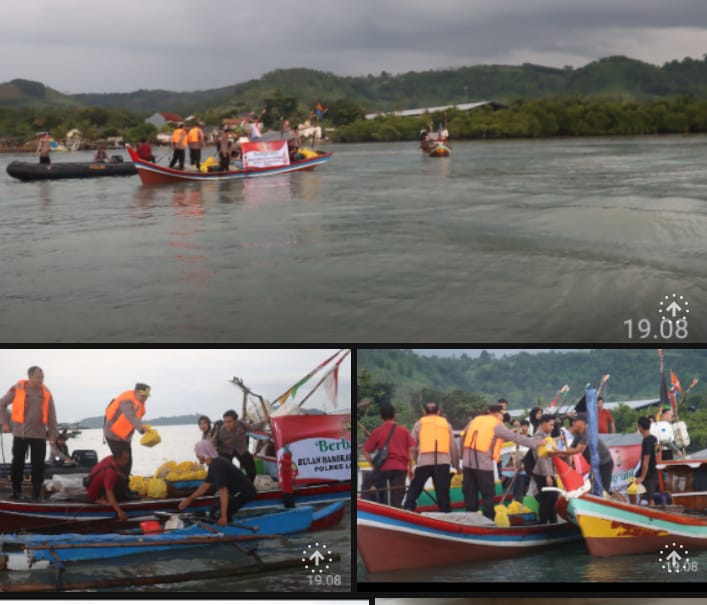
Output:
[[482, 441], [179, 142], [288, 474], [398, 465], [104, 480], [436, 453], [606, 420], [33, 417], [196, 142], [123, 417]]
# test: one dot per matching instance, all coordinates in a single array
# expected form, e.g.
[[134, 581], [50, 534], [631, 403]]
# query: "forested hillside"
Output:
[[465, 385]]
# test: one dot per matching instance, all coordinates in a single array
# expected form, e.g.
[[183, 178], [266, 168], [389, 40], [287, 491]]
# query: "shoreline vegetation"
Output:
[[569, 116]]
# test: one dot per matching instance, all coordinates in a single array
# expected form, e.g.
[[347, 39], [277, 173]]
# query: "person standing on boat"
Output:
[[44, 148], [648, 471], [232, 439], [122, 418], [255, 134], [205, 427], [396, 467], [606, 420], [196, 143], [231, 486], [544, 474], [483, 440], [179, 143], [224, 149], [580, 445], [105, 480], [33, 418], [436, 453]]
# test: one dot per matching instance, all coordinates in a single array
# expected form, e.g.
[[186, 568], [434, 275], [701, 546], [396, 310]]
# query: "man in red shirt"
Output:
[[606, 420], [103, 479], [397, 465]]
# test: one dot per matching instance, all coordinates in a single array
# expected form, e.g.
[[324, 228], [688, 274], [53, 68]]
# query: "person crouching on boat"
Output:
[[105, 480], [232, 487]]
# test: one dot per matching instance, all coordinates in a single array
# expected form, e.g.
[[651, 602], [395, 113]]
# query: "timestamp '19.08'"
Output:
[[667, 329]]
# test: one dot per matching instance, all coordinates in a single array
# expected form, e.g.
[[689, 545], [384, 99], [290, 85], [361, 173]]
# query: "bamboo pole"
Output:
[[151, 580], [179, 541], [301, 403]]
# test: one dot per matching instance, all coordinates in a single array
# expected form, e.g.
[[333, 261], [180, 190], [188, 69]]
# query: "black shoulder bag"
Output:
[[382, 454]]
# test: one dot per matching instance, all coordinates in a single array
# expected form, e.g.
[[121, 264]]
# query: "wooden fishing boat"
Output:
[[34, 171], [84, 547], [612, 528], [437, 148], [154, 174], [392, 539], [16, 515]]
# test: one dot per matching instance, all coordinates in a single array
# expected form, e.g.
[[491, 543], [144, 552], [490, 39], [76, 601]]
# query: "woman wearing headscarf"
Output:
[[231, 486]]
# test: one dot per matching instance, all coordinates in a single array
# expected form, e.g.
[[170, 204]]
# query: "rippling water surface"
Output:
[[512, 241]]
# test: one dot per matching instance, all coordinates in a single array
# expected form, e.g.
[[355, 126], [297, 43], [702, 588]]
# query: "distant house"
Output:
[[161, 118]]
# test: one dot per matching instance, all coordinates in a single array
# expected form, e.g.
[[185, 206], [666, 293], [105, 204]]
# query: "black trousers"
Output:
[[245, 492], [225, 160], [195, 157], [440, 479], [246, 462], [394, 481], [547, 500], [38, 452], [476, 481], [177, 156]]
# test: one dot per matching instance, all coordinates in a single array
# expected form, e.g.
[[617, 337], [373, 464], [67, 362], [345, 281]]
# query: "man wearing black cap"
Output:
[[123, 417], [580, 445]]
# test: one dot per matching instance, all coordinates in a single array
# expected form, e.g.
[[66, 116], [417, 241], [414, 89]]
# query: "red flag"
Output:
[[675, 381]]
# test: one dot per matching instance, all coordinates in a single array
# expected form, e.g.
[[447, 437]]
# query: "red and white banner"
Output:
[[265, 154], [320, 445]]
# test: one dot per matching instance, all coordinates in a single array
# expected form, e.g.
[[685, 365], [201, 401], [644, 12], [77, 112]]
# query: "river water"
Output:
[[558, 240], [178, 445]]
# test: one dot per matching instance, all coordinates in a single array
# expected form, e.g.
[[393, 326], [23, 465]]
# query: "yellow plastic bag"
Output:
[[501, 519], [457, 480], [156, 488], [635, 489], [515, 508], [547, 445], [137, 484], [307, 153], [151, 438]]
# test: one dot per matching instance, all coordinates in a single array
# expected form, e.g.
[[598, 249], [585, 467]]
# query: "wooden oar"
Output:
[[179, 541]]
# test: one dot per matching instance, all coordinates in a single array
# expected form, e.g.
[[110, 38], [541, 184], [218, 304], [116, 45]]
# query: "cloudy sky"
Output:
[[80, 46], [186, 381]]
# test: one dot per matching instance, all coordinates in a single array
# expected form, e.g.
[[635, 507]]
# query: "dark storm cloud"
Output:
[[78, 46]]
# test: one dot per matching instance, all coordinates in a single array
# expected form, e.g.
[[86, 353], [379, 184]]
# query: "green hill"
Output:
[[26, 93], [616, 76], [465, 385]]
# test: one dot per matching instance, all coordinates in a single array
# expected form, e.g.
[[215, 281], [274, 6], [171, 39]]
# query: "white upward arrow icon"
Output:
[[673, 308], [318, 557]]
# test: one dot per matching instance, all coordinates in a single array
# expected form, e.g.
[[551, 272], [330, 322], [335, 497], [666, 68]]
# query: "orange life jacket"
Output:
[[434, 435], [18, 403], [179, 138], [122, 427], [480, 435], [195, 135]]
